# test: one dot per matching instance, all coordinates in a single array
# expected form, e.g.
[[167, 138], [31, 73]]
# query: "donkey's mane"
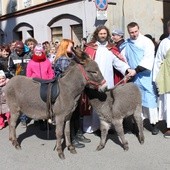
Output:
[[70, 67]]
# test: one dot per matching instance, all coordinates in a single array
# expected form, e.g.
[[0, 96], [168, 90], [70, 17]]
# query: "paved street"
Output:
[[37, 153]]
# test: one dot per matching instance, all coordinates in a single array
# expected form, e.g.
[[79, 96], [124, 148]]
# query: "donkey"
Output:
[[23, 96], [115, 105]]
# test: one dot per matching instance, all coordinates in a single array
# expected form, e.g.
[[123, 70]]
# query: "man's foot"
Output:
[[167, 134], [77, 144], [155, 130], [82, 138]]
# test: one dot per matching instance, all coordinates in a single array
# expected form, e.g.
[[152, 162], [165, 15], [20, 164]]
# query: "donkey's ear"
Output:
[[79, 60], [80, 55], [85, 55]]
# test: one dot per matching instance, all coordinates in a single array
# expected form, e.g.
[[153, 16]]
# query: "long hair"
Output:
[[98, 29], [62, 48]]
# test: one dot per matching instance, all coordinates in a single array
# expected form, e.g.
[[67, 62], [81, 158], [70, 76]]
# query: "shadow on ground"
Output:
[[31, 130], [131, 128]]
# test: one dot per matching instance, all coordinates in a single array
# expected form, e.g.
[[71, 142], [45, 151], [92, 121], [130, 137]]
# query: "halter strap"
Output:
[[87, 78]]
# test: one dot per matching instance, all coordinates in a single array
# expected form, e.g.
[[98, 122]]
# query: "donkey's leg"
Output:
[[138, 119], [59, 135], [119, 129], [104, 127], [12, 129], [67, 137]]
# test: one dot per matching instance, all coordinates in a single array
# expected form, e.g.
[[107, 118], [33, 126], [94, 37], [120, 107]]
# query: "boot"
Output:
[[80, 137], [167, 133], [77, 144], [155, 129]]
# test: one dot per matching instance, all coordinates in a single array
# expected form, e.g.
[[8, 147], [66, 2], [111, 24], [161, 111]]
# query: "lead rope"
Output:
[[125, 79]]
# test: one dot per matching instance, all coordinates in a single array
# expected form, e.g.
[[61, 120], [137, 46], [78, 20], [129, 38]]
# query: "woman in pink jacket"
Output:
[[39, 66]]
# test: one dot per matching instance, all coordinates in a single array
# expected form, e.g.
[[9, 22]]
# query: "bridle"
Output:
[[96, 84]]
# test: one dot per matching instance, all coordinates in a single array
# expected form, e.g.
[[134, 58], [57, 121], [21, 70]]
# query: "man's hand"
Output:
[[131, 73]]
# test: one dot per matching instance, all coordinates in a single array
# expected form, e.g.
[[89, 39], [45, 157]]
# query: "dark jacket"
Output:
[[20, 62], [7, 65]]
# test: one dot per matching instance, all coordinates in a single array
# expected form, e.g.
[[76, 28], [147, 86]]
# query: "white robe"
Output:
[[164, 100], [106, 60]]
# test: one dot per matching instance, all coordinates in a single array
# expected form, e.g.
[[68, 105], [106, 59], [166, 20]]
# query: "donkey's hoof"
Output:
[[73, 151], [16, 145], [141, 140], [126, 148], [100, 147], [61, 156]]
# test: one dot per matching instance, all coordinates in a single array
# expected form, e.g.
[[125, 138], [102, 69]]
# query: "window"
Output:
[[56, 33]]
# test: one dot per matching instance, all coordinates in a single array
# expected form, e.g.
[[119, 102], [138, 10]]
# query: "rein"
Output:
[[125, 79], [87, 78]]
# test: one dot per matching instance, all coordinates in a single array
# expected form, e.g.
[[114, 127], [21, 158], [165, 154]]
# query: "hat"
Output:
[[39, 48], [19, 44], [2, 74], [118, 32]]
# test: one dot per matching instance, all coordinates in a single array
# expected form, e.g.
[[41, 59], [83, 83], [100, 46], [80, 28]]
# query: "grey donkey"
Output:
[[115, 105], [22, 94]]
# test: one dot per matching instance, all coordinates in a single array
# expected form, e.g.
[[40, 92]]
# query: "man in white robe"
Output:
[[139, 53], [164, 99]]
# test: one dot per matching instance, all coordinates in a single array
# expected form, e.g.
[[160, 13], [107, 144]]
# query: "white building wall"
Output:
[[147, 13], [39, 20]]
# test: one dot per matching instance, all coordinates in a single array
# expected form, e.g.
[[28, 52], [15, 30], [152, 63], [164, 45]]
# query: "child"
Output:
[[39, 67], [52, 54], [4, 110]]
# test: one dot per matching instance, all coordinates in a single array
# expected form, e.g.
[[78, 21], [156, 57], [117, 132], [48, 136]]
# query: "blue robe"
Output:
[[143, 79]]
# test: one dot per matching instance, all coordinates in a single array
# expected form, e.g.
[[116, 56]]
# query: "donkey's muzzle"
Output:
[[103, 87]]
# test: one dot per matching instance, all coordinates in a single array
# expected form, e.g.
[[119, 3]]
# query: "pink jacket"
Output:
[[41, 70]]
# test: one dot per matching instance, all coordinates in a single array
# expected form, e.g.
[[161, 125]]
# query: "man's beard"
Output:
[[102, 40]]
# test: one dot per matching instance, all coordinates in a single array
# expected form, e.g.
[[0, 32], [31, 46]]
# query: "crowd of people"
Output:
[[137, 56]]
